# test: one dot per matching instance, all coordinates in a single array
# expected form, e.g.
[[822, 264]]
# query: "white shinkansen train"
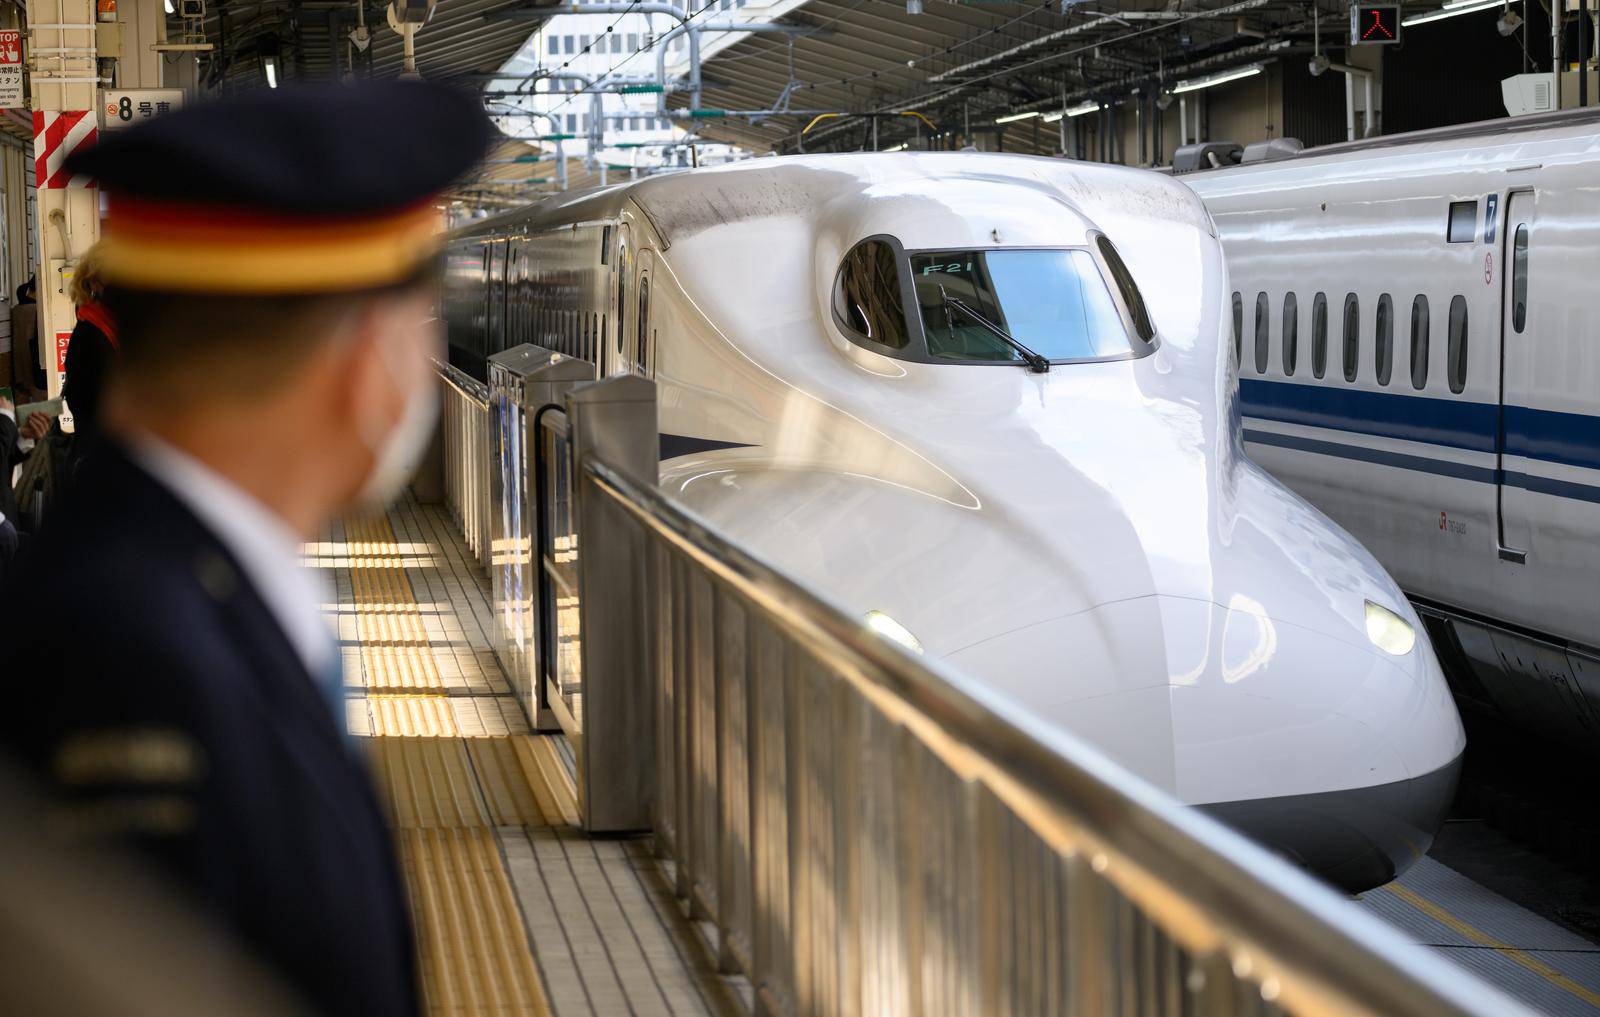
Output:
[[1420, 350], [988, 402]]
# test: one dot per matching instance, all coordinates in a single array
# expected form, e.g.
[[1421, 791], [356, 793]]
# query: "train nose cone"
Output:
[[1322, 749]]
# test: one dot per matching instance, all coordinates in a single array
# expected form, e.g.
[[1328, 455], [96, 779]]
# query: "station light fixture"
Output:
[[1013, 118], [1195, 84], [1072, 111], [267, 50], [168, 5], [897, 148], [1452, 9]]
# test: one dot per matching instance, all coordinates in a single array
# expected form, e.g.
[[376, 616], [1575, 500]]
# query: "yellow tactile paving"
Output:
[[413, 717], [471, 944], [506, 784], [396, 655], [429, 783], [450, 769], [552, 781], [484, 810]]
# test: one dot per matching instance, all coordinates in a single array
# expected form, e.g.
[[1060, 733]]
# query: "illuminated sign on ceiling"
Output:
[[1374, 24]]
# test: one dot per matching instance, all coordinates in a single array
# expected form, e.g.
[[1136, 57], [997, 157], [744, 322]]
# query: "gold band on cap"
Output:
[[188, 252]]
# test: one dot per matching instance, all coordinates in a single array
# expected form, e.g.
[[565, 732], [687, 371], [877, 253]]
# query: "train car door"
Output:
[[515, 292], [1517, 331], [496, 316], [644, 336]]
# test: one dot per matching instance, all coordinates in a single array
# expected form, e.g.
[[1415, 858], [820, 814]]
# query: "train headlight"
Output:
[[1388, 631], [888, 628]]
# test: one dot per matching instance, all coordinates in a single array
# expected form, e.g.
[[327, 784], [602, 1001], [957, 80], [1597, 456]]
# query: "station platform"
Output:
[[1530, 958], [516, 911]]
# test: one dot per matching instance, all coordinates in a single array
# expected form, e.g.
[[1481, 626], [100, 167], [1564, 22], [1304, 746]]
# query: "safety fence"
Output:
[[464, 414], [858, 829]]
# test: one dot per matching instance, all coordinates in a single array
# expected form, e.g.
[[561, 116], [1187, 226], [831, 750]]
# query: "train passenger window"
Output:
[[1263, 313], [1383, 340], [1352, 336], [1055, 302], [868, 299], [1319, 335], [1419, 343], [1131, 299], [605, 245], [1463, 225], [1238, 328], [1457, 349], [1519, 278], [1291, 333]]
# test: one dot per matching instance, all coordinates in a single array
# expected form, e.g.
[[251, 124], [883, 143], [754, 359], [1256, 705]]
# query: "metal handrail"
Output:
[[469, 386], [1255, 919]]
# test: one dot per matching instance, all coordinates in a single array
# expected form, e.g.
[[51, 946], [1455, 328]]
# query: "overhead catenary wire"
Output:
[[914, 102], [615, 67]]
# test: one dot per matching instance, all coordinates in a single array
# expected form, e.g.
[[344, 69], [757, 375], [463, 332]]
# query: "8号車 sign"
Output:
[[126, 107], [11, 69]]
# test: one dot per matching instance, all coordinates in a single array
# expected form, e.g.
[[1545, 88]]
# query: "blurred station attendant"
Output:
[[269, 261]]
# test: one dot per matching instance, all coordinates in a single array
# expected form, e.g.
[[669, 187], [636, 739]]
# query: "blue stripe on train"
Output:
[[1572, 439], [1422, 464], [1419, 464]]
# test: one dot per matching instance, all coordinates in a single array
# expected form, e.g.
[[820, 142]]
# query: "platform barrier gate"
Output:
[[860, 830]]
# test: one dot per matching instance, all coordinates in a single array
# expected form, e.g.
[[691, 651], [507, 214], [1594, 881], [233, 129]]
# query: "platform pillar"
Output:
[[64, 79]]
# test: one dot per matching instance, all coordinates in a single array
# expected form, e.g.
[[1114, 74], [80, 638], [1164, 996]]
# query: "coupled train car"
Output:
[[1419, 356], [987, 402]]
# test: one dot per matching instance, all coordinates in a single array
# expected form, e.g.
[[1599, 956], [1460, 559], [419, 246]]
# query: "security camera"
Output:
[[1509, 22], [1318, 64]]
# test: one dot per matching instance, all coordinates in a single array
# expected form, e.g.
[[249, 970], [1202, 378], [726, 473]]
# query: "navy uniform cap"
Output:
[[329, 149], [295, 189]]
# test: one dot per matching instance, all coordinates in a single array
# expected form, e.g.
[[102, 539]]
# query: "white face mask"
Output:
[[397, 450]]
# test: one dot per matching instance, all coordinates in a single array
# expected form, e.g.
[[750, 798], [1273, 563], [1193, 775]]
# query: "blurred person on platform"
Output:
[[27, 377], [269, 260], [14, 444], [91, 351]]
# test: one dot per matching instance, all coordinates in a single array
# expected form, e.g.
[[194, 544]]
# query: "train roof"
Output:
[[1507, 129], [680, 205]]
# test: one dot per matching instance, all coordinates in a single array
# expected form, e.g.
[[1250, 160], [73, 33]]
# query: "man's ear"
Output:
[[360, 375]]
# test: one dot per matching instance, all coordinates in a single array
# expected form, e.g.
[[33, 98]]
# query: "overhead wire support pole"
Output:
[[1556, 13], [639, 7], [1583, 53], [693, 31]]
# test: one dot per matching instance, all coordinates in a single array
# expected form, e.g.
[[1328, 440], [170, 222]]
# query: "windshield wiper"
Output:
[[1037, 363]]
